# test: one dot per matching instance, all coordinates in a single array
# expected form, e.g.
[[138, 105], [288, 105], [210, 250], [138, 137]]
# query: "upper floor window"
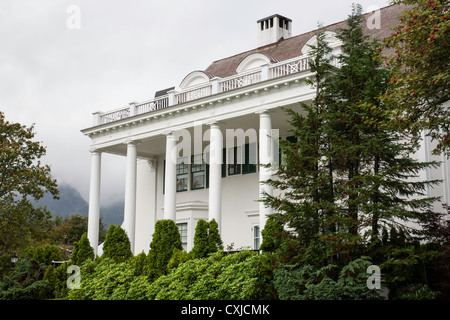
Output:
[[182, 174], [198, 172]]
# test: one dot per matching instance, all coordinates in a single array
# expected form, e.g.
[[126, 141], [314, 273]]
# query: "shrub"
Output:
[[105, 279], [221, 276], [116, 245], [416, 291], [24, 282], [165, 239], [82, 251], [294, 282]]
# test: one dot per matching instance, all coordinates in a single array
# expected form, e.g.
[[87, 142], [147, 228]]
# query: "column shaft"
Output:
[[170, 182], [94, 200], [129, 221], [266, 156], [215, 175]]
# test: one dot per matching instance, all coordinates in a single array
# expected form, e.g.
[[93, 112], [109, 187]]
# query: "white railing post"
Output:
[[265, 72], [96, 119], [214, 85], [133, 110], [171, 97]]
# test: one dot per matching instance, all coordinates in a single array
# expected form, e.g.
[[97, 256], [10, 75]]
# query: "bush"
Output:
[[105, 279], [294, 282], [24, 282], [221, 276], [166, 238], [116, 245], [416, 291], [82, 251], [44, 254]]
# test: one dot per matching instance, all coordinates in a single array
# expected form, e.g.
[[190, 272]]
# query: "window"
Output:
[[198, 174], [250, 158], [182, 174], [234, 161], [182, 228], [256, 237]]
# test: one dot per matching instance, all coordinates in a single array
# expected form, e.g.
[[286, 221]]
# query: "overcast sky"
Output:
[[56, 76]]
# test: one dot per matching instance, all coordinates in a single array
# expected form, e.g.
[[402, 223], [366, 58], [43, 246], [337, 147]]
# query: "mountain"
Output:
[[70, 203]]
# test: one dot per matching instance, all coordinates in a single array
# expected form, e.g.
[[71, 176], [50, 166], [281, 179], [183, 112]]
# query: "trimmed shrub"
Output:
[[166, 238], [82, 251], [116, 245]]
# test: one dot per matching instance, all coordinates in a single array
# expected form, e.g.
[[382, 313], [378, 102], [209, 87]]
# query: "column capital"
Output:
[[131, 141], [263, 112], [95, 150], [214, 123]]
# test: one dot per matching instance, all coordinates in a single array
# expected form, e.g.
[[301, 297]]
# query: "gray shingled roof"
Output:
[[290, 48]]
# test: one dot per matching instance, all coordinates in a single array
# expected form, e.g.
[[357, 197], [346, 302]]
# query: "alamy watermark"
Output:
[[74, 281], [374, 18], [374, 280], [73, 21], [241, 146]]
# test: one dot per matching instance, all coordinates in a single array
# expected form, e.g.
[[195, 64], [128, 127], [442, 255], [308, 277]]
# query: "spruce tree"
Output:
[[347, 174], [305, 175]]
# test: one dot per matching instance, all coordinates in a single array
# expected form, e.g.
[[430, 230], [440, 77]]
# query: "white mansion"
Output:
[[193, 150]]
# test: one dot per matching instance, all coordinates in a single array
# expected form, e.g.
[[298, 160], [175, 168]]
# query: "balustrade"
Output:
[[277, 70]]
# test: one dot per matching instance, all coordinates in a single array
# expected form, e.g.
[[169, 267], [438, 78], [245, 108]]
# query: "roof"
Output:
[[290, 48]]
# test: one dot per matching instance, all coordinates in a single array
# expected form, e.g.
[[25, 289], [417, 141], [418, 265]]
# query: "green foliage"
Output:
[[106, 279], [117, 244], [165, 239], [178, 257], [24, 282], [201, 243], [214, 239], [51, 278], [22, 178], [273, 234], [420, 78], [242, 275], [206, 239], [416, 291], [306, 282], [82, 251], [43, 254]]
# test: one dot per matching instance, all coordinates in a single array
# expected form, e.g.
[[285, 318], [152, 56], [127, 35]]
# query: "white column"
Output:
[[215, 174], [170, 184], [129, 221], [266, 156], [94, 200]]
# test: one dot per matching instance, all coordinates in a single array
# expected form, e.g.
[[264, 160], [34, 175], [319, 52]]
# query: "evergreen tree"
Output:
[[347, 171], [165, 239], [82, 251], [117, 244], [201, 243], [214, 239], [305, 175], [272, 234], [206, 239]]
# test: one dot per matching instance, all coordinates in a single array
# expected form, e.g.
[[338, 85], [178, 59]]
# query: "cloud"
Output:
[[124, 51]]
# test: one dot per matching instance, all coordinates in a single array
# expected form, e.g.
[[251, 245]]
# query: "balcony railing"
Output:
[[214, 86]]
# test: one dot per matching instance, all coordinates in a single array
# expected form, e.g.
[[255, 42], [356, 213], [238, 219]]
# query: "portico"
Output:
[[199, 150]]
